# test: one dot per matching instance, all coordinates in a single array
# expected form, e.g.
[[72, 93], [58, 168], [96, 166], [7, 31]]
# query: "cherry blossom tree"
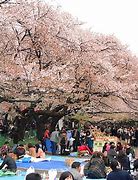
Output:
[[48, 62]]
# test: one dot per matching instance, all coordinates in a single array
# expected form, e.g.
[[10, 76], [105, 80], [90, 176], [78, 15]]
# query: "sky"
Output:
[[118, 17]]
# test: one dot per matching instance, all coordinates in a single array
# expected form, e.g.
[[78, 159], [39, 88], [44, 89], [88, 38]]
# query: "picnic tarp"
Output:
[[44, 165], [51, 162]]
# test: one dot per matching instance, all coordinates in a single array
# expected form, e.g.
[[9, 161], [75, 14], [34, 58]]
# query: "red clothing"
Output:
[[4, 148], [84, 148], [46, 134], [107, 147]]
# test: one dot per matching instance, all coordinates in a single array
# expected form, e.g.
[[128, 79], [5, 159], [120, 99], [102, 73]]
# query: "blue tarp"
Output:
[[63, 158], [56, 162], [44, 165]]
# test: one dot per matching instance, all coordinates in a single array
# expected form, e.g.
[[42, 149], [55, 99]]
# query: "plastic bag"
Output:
[[30, 170], [52, 174]]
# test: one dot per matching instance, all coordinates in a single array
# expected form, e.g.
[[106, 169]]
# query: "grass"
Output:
[[26, 140], [3, 139]]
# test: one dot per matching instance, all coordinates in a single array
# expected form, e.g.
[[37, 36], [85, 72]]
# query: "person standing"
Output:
[[63, 142], [76, 142], [89, 140], [47, 142], [69, 139], [54, 138]]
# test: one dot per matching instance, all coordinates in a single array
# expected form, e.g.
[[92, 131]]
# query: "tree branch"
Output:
[[12, 100]]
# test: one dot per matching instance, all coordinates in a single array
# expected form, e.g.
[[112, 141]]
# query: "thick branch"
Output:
[[12, 100]]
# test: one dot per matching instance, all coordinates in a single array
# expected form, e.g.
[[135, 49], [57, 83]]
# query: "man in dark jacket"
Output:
[[112, 154], [9, 162], [123, 160], [117, 174], [95, 168]]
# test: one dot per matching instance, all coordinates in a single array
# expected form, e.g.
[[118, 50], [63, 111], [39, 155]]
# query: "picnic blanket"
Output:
[[6, 173], [44, 165]]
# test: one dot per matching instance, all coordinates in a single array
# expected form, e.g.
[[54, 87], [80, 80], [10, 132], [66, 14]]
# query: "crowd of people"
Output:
[[118, 166], [126, 133], [119, 158], [71, 139], [65, 141]]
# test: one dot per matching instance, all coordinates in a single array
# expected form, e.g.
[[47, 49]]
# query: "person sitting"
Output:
[[75, 170], [84, 150], [119, 147], [116, 173], [32, 151], [123, 160], [112, 154], [5, 147], [136, 164], [33, 176], [105, 149], [8, 161], [130, 150], [95, 168], [39, 152], [66, 176], [19, 151]]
